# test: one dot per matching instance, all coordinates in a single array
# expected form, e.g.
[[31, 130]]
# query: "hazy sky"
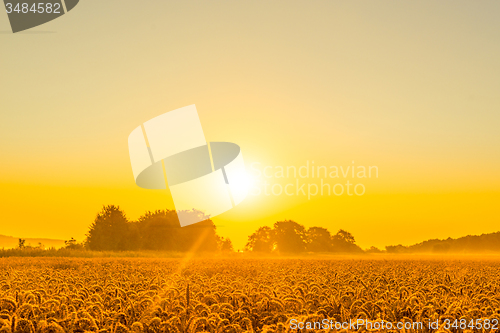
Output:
[[409, 87]]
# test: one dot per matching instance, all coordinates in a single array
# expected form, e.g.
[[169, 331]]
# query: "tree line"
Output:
[[292, 237], [467, 244], [159, 230], [111, 230]]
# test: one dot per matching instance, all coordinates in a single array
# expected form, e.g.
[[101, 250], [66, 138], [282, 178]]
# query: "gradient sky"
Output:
[[410, 87]]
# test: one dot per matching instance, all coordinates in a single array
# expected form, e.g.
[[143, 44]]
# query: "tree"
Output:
[[200, 236], [373, 249], [396, 249], [22, 243], [261, 240], [290, 236], [344, 236], [158, 230], [161, 230], [72, 244], [225, 244], [343, 241], [109, 231], [319, 240]]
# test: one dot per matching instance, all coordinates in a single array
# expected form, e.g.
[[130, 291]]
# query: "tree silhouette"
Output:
[[396, 249], [319, 240], [373, 249], [343, 241], [158, 230], [290, 237], [261, 240], [201, 236], [225, 245], [466, 244], [109, 231], [161, 230], [344, 236], [72, 244]]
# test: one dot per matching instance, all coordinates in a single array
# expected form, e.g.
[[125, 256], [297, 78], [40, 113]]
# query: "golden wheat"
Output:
[[55, 295]]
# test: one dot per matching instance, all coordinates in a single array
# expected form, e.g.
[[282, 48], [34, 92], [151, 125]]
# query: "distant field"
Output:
[[235, 295]]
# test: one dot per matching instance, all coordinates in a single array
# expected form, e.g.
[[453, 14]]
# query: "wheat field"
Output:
[[56, 295]]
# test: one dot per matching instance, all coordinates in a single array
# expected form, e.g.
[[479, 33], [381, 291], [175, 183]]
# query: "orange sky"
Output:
[[409, 87]]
